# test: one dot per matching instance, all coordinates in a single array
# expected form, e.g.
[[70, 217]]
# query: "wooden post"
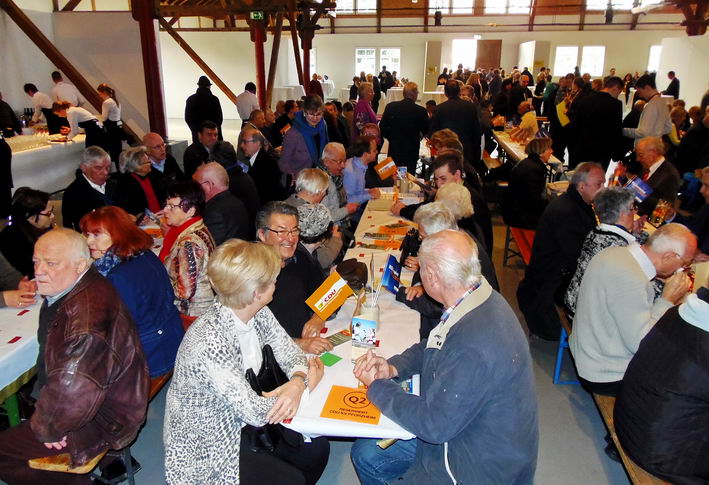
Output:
[[144, 14], [259, 37], [274, 57], [306, 66], [296, 48]]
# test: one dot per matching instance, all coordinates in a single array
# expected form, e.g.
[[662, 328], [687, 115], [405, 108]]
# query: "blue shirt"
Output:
[[353, 181]]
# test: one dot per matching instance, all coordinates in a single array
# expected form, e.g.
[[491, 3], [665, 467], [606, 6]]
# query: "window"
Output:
[[345, 6], [391, 58], [592, 57], [646, 3], [653, 62], [565, 59], [366, 6], [451, 6], [356, 6], [616, 4], [365, 60], [464, 52], [507, 6], [313, 61]]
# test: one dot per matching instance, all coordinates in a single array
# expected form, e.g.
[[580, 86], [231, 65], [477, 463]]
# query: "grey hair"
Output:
[[582, 170], [255, 134], [364, 87], [274, 207], [93, 155], [653, 143], [411, 90], [130, 159], [460, 268], [611, 202], [312, 180], [670, 238], [435, 217], [327, 152], [76, 243], [457, 198]]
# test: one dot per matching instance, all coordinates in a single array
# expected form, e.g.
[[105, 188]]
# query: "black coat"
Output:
[[162, 180], [693, 151], [225, 216], [665, 183], [404, 123], [203, 106], [463, 118], [597, 128], [278, 125], [9, 124], [516, 96], [268, 178], [524, 200], [80, 199], [662, 410], [672, 89], [699, 225], [5, 178], [131, 196], [243, 187], [195, 155], [17, 245], [557, 245]]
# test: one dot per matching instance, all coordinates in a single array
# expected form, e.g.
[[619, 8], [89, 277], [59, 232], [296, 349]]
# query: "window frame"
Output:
[[556, 57], [506, 11]]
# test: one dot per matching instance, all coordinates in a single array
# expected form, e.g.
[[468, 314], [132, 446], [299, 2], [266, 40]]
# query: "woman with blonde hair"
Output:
[[456, 197], [135, 189], [214, 408]]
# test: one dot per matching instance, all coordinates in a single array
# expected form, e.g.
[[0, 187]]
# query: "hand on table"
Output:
[[638, 225], [58, 445], [352, 207], [676, 286], [314, 345], [396, 208], [64, 130], [316, 369], [374, 193], [18, 298], [413, 292], [701, 257], [288, 401], [312, 327], [370, 367], [412, 263], [27, 285]]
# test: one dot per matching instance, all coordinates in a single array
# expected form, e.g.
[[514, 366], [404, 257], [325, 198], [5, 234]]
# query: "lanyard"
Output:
[[448, 311]]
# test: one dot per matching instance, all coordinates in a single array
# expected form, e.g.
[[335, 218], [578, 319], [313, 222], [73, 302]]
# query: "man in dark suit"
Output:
[[404, 123], [519, 92], [200, 151], [164, 169], [557, 245], [699, 222], [673, 87], [224, 215], [597, 125], [463, 118], [377, 93], [264, 169], [91, 189], [657, 172], [693, 150], [495, 84], [203, 106]]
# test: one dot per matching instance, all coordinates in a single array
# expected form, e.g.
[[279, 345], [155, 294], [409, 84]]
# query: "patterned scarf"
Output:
[[172, 236], [107, 262]]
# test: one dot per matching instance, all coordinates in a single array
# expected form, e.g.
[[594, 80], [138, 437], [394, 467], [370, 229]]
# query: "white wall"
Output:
[[689, 58], [105, 47]]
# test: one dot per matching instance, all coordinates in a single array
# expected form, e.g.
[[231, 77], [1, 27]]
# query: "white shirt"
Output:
[[246, 102], [645, 264], [252, 160], [110, 111], [76, 116], [100, 188], [249, 342], [40, 101], [654, 120], [67, 92]]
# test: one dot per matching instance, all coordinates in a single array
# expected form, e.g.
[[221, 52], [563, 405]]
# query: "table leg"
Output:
[[12, 409]]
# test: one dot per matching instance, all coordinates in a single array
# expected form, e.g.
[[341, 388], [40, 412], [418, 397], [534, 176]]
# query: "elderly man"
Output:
[[224, 214], [202, 150], [91, 189], [657, 172], [476, 418], [165, 170], [655, 118], [557, 245], [616, 305], [263, 169], [404, 123], [519, 92], [334, 159], [300, 276], [463, 118], [92, 375]]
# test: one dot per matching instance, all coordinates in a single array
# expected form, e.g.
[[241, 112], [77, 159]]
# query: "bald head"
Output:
[[649, 150], [60, 257], [671, 247], [157, 151], [411, 91], [213, 178]]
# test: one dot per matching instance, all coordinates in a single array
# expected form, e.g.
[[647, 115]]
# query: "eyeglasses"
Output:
[[285, 233], [249, 141], [49, 213], [155, 147], [316, 114], [173, 206], [336, 161]]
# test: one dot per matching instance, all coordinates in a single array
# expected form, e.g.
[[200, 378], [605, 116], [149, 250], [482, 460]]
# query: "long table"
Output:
[[398, 330], [49, 168]]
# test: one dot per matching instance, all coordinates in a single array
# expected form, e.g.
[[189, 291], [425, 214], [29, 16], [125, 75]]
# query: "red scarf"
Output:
[[172, 236], [144, 182]]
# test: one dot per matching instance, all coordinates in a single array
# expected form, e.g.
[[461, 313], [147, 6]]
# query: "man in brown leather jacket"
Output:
[[93, 375]]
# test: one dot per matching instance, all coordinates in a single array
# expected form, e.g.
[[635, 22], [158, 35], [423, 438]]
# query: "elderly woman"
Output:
[[318, 234], [121, 252], [212, 408], [615, 209], [187, 247], [310, 187], [433, 218], [363, 112], [135, 189], [524, 199], [31, 215], [303, 144], [456, 197]]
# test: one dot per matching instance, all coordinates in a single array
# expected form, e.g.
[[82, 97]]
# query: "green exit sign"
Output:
[[256, 15]]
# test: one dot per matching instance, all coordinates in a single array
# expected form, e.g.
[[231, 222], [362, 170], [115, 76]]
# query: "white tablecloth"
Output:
[[438, 97], [284, 93], [18, 357], [328, 88], [394, 94], [398, 330], [49, 168], [345, 94], [515, 150]]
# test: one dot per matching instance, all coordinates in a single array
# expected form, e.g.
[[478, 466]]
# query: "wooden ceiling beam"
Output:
[[636, 16], [70, 5], [532, 14]]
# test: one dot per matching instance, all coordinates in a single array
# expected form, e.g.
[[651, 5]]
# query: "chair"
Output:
[[523, 239], [563, 344]]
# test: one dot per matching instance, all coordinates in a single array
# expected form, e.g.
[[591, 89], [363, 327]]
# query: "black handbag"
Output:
[[263, 439], [410, 245]]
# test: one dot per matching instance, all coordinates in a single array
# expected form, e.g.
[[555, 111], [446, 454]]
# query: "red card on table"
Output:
[[13, 340]]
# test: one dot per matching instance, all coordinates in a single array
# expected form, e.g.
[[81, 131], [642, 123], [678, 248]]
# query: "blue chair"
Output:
[[563, 344]]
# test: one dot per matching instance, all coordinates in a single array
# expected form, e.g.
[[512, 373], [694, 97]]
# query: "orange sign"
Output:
[[393, 245], [350, 404], [386, 168], [329, 296], [395, 231]]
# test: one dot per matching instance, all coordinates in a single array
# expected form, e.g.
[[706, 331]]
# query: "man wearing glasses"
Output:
[[300, 276], [263, 168], [165, 170], [333, 162]]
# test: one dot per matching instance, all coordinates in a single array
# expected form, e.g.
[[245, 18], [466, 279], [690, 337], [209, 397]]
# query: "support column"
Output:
[[144, 14], [306, 66], [258, 34]]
